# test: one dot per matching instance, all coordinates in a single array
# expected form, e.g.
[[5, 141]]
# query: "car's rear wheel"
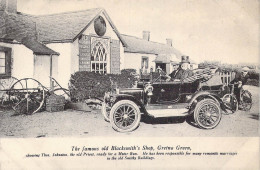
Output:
[[207, 114], [125, 116]]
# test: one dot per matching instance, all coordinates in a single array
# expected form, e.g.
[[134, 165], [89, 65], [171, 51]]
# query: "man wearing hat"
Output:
[[184, 71], [240, 79]]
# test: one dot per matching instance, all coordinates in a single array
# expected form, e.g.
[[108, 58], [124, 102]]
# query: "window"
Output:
[[144, 64], [5, 62], [99, 58]]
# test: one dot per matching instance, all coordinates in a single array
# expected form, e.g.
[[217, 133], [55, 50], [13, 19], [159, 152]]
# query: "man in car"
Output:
[[176, 67], [239, 80], [184, 71]]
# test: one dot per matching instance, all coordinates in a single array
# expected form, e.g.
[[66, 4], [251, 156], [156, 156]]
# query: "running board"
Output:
[[168, 113]]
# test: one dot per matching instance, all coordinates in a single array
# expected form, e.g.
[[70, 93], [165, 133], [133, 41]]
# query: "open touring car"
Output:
[[160, 98]]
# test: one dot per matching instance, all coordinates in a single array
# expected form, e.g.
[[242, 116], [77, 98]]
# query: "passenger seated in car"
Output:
[[184, 71], [176, 67]]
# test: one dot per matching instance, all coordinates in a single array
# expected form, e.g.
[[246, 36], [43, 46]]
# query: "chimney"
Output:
[[146, 35], [169, 42], [8, 6]]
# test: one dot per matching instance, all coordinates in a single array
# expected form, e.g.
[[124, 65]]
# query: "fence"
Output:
[[227, 77]]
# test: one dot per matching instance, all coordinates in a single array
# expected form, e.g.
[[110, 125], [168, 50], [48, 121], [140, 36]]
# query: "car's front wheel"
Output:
[[207, 114], [125, 116]]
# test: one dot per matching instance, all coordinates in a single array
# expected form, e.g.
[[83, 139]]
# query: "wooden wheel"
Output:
[[28, 96], [207, 114], [5, 98], [125, 116]]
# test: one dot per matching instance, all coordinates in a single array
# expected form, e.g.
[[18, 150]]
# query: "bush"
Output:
[[254, 75], [85, 85], [252, 82]]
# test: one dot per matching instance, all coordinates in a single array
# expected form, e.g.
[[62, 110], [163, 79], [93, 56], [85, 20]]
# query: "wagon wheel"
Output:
[[5, 85], [28, 95]]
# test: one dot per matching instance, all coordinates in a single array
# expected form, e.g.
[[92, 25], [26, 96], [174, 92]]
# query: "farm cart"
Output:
[[27, 95]]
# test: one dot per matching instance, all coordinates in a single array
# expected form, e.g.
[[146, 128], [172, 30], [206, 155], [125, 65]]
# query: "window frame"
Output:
[[143, 66], [104, 63], [8, 57]]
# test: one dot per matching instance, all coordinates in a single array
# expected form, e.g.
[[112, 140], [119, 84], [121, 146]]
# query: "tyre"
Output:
[[246, 100], [125, 116], [207, 114], [105, 111], [230, 103]]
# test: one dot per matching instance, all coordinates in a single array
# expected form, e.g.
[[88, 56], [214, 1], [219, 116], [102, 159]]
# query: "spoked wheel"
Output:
[[28, 94], [207, 114], [5, 98], [105, 109], [231, 103], [125, 116], [246, 100]]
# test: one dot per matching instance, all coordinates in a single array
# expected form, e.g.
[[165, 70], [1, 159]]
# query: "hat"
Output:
[[185, 59], [245, 69]]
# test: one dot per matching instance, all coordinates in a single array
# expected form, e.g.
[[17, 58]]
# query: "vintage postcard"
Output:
[[120, 84]]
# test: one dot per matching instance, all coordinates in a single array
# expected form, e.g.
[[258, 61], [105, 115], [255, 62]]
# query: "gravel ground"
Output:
[[72, 123]]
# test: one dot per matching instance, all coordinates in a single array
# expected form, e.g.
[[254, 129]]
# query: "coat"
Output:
[[182, 74]]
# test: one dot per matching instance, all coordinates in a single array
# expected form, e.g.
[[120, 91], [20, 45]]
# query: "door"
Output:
[[162, 66]]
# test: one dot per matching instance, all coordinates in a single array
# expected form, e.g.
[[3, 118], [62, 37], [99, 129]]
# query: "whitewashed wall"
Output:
[[22, 60], [42, 68], [75, 56], [133, 61], [64, 62]]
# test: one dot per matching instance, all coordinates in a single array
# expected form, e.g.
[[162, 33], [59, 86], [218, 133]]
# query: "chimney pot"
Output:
[[146, 35], [169, 42]]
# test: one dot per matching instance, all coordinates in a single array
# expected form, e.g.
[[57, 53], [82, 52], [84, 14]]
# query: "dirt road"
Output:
[[71, 123]]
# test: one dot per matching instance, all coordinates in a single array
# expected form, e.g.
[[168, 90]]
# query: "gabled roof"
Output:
[[139, 45], [67, 26], [62, 27]]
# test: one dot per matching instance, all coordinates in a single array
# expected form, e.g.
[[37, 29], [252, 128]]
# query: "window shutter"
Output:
[[115, 57], [8, 62], [84, 53]]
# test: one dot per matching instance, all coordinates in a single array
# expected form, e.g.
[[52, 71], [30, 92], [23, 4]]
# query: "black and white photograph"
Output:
[[121, 69]]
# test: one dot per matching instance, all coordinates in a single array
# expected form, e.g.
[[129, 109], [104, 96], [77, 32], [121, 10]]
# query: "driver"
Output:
[[184, 71], [239, 80]]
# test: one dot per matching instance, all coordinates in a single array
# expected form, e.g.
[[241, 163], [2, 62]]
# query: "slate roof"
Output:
[[64, 26], [23, 30], [37, 47], [167, 58], [139, 45]]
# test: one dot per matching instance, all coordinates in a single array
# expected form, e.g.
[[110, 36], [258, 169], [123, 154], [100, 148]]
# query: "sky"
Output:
[[212, 30]]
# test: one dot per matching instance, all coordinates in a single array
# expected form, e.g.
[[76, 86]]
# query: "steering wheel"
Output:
[[162, 74]]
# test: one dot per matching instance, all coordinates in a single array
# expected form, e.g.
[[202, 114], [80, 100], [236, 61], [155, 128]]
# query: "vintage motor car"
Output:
[[160, 98]]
